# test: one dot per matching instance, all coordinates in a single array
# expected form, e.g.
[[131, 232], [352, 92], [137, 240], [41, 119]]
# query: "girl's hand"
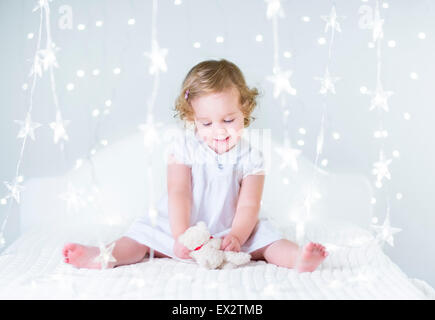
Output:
[[230, 243], [180, 250]]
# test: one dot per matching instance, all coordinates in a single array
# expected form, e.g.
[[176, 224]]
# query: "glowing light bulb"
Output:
[[302, 131], [70, 86], [99, 23], [306, 19], [80, 73], [30, 36], [259, 38], [131, 21], [219, 39], [196, 45], [96, 72], [321, 41], [108, 103], [300, 142], [413, 75], [117, 70], [287, 54], [81, 27], [399, 196], [422, 35], [336, 135], [324, 162], [373, 201], [79, 163], [396, 154], [391, 43], [363, 90], [406, 116]]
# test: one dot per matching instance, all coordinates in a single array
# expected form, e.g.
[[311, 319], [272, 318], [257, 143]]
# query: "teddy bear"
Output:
[[205, 249]]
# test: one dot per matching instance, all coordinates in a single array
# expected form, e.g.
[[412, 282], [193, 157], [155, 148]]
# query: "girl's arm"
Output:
[[248, 207], [179, 181]]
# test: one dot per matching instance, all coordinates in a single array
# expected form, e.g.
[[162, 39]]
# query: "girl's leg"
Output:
[[285, 253], [125, 251]]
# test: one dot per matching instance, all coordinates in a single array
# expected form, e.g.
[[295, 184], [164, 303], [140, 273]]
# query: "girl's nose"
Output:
[[219, 131]]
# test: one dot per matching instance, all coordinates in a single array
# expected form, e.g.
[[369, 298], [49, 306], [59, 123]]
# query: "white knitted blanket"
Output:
[[33, 268]]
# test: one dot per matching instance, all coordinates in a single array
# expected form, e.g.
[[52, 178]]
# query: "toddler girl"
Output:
[[213, 175]]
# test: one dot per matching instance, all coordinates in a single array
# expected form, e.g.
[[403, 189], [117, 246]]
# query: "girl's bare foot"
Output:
[[82, 256], [311, 257]]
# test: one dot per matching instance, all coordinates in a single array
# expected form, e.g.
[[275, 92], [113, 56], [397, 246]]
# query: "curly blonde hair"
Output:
[[213, 76]]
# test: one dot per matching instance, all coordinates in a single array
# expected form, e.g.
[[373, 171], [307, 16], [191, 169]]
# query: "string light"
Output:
[[287, 54]]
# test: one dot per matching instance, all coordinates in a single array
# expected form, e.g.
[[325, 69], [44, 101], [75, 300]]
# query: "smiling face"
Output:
[[218, 119]]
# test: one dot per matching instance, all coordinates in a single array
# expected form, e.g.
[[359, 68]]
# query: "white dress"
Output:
[[216, 181]]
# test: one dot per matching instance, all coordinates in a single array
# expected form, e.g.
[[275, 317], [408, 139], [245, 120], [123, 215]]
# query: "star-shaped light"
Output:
[[48, 56], [157, 57], [14, 190], [59, 128], [327, 83], [381, 167], [281, 83], [73, 197], [386, 231], [380, 98], [41, 4], [288, 157], [378, 23], [274, 9], [150, 132], [105, 255], [331, 21], [27, 127]]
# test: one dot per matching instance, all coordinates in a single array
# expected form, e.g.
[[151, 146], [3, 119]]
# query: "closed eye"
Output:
[[226, 121]]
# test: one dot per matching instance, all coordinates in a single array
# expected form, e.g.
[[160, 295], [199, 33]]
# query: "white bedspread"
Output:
[[33, 268]]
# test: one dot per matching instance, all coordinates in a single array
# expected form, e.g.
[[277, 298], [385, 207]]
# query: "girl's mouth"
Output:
[[222, 141]]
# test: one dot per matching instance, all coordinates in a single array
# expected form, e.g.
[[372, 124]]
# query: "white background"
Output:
[[118, 44]]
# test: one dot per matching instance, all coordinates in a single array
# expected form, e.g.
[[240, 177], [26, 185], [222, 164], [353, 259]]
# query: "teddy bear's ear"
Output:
[[202, 225]]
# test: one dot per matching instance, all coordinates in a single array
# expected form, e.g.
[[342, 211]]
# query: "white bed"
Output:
[[32, 266]]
